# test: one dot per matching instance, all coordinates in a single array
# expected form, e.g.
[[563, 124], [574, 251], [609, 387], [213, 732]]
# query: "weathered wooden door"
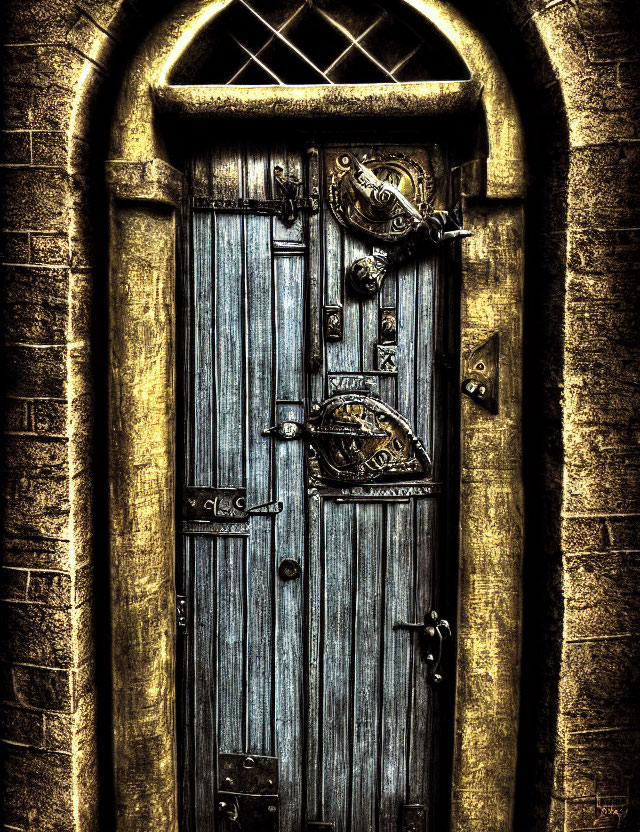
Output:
[[301, 554]]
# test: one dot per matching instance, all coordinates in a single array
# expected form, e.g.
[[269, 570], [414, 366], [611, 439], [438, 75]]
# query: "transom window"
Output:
[[266, 42]]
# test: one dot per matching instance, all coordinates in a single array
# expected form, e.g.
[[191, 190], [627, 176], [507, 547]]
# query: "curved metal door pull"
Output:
[[434, 631]]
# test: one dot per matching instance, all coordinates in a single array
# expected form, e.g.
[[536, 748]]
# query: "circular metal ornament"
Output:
[[289, 569], [359, 200], [357, 438]]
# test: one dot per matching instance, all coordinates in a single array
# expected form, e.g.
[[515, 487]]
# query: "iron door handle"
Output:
[[434, 630]]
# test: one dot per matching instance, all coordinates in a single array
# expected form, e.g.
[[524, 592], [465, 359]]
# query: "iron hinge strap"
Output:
[[268, 207]]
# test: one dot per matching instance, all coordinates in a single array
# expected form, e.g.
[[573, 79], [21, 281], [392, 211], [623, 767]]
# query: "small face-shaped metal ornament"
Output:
[[366, 274], [357, 438]]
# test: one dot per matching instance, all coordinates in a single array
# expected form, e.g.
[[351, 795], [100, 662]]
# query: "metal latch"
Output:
[[223, 505], [434, 630], [248, 791]]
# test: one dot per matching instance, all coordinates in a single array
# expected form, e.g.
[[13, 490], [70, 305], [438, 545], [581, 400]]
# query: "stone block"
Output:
[[611, 756], [612, 45], [80, 310], [601, 594], [21, 726], [38, 371], [40, 687], [36, 635], [14, 247], [609, 320], [50, 588], [40, 85], [603, 184], [91, 41], [601, 684], [57, 733], [83, 584], [37, 506], [606, 252], [15, 147], [623, 532], [629, 74], [36, 552], [37, 416], [50, 249], [36, 22], [601, 15], [41, 199], [601, 389], [50, 147], [33, 456], [583, 534], [13, 584], [36, 304], [48, 808], [602, 480]]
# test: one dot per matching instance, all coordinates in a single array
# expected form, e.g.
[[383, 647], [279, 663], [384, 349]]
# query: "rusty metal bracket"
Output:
[[481, 374], [223, 505]]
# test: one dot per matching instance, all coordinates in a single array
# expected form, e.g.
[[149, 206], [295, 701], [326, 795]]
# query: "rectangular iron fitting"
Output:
[[414, 818]]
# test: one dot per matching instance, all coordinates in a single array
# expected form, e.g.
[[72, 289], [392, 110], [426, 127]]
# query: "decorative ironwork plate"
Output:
[[384, 196], [356, 438]]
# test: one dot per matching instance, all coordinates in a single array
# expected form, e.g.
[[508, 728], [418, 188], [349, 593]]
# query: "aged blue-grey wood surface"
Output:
[[309, 670]]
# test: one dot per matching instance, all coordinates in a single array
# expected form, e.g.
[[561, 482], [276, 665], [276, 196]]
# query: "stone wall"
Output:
[[573, 68]]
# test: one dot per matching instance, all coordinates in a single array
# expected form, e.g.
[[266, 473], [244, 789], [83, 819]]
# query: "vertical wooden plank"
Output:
[[229, 320], [314, 659], [203, 447], [313, 282], [187, 664], [231, 639], [397, 646], [406, 341], [337, 658], [332, 234], [256, 177], [359, 313], [226, 175], [421, 771], [346, 355], [289, 275], [425, 352], [369, 543], [204, 641], [201, 174], [258, 324], [289, 543]]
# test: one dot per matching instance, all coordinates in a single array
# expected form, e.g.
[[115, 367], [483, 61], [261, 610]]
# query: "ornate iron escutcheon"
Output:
[[482, 374], [389, 197], [356, 438], [248, 792], [383, 197]]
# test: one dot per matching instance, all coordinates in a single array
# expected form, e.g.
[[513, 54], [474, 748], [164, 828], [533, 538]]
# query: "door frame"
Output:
[[145, 195]]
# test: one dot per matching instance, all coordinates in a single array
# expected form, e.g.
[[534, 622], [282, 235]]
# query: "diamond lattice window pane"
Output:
[[266, 42]]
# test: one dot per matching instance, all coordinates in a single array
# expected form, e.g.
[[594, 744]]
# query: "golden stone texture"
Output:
[[582, 52]]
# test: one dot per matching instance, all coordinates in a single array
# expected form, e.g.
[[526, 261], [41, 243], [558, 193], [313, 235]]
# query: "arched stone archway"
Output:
[[576, 55], [144, 187]]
